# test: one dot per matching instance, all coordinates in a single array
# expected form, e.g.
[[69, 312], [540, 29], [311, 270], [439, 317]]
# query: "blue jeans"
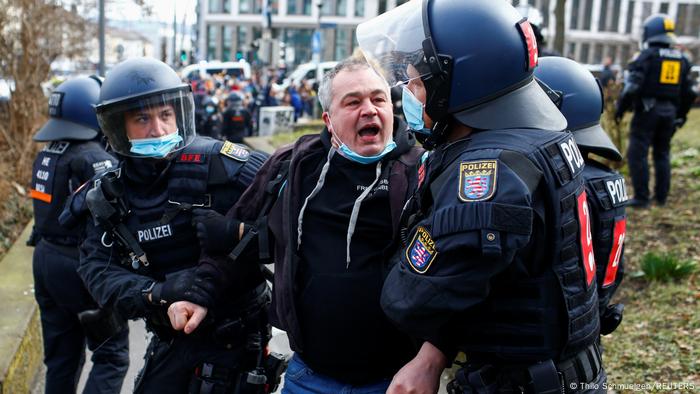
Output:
[[300, 379]]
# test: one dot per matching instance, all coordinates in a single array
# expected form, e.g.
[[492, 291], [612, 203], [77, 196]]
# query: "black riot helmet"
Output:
[[659, 29], [476, 59], [147, 86], [579, 97], [71, 111]]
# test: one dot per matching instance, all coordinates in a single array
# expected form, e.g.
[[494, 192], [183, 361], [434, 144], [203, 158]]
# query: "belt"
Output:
[[544, 377], [583, 367]]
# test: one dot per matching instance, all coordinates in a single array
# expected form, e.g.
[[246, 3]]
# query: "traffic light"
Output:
[[183, 56]]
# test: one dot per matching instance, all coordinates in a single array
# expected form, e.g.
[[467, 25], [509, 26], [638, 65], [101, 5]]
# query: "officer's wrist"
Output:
[[147, 292]]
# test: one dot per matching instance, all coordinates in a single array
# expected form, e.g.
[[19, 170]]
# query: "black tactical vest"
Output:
[[552, 311], [666, 71], [607, 197], [200, 176], [53, 181]]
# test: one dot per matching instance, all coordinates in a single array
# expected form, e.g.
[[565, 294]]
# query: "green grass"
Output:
[[281, 139], [666, 267], [659, 338]]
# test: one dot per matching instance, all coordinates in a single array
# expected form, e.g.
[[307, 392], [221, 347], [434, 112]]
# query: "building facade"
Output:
[[283, 30]]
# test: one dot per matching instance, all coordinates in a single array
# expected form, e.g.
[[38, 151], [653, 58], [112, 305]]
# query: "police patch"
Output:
[[234, 151], [421, 252], [477, 180]]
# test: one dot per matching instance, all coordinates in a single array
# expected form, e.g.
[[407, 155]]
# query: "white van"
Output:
[[307, 71], [240, 69]]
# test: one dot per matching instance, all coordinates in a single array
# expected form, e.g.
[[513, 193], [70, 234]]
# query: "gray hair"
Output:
[[325, 93]]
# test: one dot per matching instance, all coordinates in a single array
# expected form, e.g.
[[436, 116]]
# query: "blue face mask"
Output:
[[155, 147], [348, 153], [356, 157], [413, 111]]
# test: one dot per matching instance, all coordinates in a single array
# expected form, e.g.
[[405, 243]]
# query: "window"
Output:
[[341, 44], [571, 50], [334, 7], [630, 16], [212, 39], [226, 33], [575, 5], [664, 8], [688, 22], [587, 14], [226, 9], [585, 49], [597, 53], [382, 7], [249, 7], [360, 8], [214, 6]]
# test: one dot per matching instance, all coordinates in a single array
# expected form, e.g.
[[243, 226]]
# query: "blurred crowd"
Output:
[[228, 107]]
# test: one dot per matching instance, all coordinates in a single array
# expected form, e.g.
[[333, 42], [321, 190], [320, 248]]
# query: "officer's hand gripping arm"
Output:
[[217, 234]]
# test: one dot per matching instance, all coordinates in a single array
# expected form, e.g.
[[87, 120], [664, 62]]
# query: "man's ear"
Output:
[[327, 120]]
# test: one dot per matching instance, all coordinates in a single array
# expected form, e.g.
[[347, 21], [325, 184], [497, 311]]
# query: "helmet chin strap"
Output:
[[437, 136]]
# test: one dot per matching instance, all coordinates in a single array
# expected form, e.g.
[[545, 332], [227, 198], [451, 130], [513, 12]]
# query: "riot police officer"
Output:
[[580, 99], [497, 260], [72, 155], [658, 88], [237, 120], [211, 118], [140, 253]]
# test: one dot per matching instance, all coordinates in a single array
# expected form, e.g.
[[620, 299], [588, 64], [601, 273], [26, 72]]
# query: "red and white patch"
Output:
[[191, 158], [584, 221], [616, 252], [530, 43]]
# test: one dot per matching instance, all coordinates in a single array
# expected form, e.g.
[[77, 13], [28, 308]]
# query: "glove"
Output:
[[184, 286], [611, 318], [217, 234], [679, 122]]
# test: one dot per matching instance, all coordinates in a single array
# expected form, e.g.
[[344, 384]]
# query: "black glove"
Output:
[[217, 234], [184, 286], [679, 122], [611, 318]]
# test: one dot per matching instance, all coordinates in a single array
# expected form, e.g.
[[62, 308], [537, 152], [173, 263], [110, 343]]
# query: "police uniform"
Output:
[[607, 197], [580, 100], [70, 157], [209, 174], [659, 90], [237, 123], [483, 268]]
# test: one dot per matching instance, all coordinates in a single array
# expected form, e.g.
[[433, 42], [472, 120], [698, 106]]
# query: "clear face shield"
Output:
[[393, 41], [154, 125]]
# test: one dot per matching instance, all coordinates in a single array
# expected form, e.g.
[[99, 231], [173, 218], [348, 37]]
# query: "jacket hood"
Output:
[[403, 138]]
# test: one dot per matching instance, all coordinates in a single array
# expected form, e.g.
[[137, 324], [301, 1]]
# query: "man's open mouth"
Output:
[[369, 130]]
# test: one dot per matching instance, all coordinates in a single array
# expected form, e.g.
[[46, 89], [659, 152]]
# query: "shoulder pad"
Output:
[[235, 151], [250, 168]]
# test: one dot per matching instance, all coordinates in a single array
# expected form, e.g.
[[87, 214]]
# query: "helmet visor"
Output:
[[151, 116], [393, 41]]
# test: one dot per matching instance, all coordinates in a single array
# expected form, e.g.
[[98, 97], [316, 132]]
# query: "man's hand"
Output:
[[186, 316], [420, 375], [217, 234]]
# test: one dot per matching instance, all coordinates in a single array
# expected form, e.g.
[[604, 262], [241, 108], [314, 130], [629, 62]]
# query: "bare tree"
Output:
[[560, 16], [34, 34]]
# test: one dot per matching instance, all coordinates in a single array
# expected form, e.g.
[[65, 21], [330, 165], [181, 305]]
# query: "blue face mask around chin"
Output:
[[350, 154], [356, 157], [413, 111], [155, 147]]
